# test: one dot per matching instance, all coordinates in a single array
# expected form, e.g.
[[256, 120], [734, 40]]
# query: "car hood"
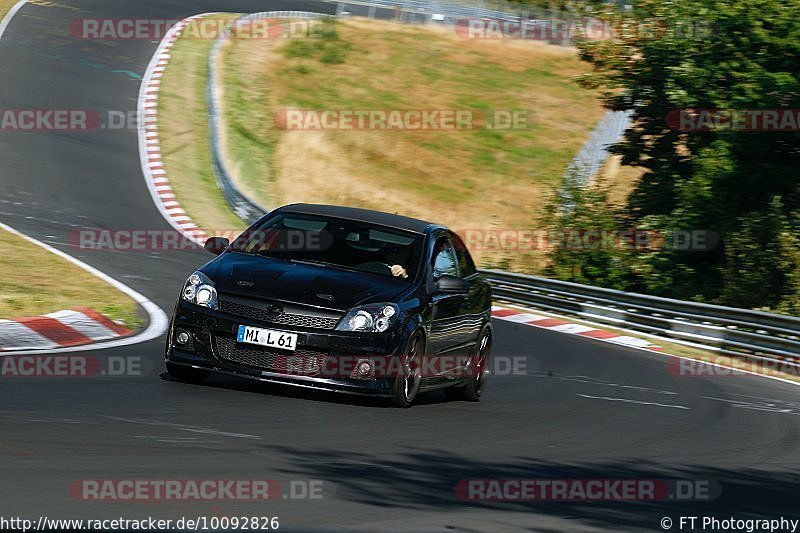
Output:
[[328, 287]]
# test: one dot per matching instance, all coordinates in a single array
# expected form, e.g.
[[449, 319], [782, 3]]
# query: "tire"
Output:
[[476, 378], [405, 387], [186, 374]]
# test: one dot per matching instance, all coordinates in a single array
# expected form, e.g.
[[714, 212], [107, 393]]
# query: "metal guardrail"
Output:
[[423, 10], [727, 329], [594, 152]]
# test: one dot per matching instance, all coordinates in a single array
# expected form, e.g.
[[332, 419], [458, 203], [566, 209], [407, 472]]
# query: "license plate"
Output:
[[267, 337]]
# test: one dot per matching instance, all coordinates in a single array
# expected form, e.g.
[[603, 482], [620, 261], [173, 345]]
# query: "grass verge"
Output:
[[48, 283], [5, 6]]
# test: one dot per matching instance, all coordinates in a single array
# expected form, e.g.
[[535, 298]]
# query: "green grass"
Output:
[[49, 283]]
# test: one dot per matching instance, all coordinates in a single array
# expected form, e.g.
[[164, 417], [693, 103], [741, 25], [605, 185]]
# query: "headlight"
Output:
[[199, 289], [374, 318]]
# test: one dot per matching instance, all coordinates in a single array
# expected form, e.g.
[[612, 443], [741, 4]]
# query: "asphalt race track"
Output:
[[585, 409]]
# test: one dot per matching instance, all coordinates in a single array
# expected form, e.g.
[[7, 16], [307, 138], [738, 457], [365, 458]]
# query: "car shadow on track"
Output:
[[425, 480], [434, 397]]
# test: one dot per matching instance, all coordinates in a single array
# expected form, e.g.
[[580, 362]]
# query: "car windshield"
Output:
[[335, 242]]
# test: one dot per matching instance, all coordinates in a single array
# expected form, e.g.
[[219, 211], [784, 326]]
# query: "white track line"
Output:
[[637, 402], [10, 15], [158, 320]]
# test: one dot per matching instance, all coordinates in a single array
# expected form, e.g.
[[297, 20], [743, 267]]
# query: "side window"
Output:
[[465, 264], [444, 258]]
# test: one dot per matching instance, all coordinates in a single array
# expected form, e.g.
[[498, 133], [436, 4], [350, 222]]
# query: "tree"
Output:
[[742, 185]]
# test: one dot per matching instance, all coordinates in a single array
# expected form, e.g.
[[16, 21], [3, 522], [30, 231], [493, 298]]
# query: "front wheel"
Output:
[[186, 374], [406, 385]]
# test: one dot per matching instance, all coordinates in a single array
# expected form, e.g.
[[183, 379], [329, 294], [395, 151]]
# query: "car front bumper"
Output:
[[324, 359]]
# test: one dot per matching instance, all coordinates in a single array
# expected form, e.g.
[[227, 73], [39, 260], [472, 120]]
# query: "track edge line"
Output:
[[10, 15], [157, 323]]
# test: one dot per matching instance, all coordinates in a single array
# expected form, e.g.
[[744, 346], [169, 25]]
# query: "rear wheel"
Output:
[[476, 372], [406, 385], [186, 374]]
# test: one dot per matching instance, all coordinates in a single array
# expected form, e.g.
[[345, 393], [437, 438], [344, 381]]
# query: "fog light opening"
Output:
[[364, 369], [182, 337]]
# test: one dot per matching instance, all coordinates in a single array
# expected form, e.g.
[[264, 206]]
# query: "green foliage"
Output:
[[742, 185], [575, 257]]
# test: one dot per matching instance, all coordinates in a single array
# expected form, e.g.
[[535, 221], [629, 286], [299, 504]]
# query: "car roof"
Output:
[[361, 215]]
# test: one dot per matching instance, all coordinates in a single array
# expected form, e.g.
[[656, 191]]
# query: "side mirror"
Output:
[[450, 285], [216, 245]]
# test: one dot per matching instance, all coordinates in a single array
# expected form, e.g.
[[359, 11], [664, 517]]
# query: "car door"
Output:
[[446, 335], [474, 307]]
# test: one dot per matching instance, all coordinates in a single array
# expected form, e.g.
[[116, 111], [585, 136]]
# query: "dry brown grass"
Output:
[[5, 5]]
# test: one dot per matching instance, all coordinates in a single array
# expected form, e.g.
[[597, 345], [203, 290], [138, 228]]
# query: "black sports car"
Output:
[[341, 299]]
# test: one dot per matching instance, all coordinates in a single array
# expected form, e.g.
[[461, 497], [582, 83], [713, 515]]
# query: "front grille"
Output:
[[286, 319], [298, 362]]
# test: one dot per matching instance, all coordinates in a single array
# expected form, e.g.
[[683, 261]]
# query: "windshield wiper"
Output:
[[323, 264]]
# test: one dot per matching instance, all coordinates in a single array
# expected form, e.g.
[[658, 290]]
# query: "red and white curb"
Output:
[[563, 326], [70, 327], [149, 146], [84, 322]]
